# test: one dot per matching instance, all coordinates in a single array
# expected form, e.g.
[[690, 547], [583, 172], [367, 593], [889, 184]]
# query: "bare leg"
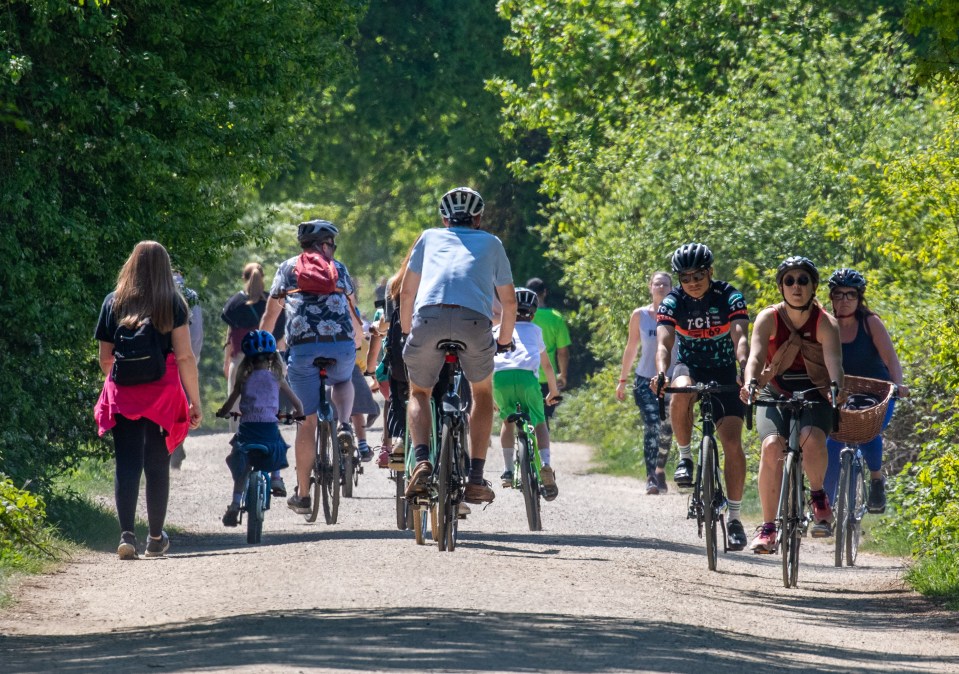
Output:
[[771, 475], [730, 434]]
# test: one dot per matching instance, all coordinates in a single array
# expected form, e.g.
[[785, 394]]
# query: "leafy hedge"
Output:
[[23, 530]]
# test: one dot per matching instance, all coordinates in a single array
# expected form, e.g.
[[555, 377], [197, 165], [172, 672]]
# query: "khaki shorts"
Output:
[[435, 323]]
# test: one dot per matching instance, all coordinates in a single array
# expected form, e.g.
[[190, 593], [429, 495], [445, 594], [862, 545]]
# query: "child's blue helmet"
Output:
[[258, 341]]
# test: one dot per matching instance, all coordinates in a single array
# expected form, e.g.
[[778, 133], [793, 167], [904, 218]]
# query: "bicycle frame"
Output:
[[707, 515], [792, 519]]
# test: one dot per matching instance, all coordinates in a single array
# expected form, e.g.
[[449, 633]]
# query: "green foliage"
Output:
[[124, 122], [23, 532], [937, 576], [929, 495], [413, 120]]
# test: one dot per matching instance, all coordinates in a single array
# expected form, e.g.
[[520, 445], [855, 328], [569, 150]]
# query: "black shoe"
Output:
[[299, 505], [232, 515], [507, 478], [877, 496], [157, 547], [735, 536], [652, 486], [661, 482], [683, 477], [128, 546]]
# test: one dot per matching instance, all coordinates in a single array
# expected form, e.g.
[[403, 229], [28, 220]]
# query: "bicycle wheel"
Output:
[[402, 505], [419, 524], [444, 491], [319, 471], [255, 502], [336, 474], [708, 475], [787, 522], [842, 506], [528, 483], [857, 509], [329, 477], [796, 515], [350, 468]]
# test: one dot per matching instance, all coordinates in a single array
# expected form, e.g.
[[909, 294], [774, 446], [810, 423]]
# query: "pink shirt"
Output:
[[162, 402]]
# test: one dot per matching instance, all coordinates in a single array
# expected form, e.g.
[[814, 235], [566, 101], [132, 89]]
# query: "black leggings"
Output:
[[139, 448]]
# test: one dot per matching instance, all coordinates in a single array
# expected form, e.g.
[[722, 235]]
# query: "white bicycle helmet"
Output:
[[316, 229], [461, 204]]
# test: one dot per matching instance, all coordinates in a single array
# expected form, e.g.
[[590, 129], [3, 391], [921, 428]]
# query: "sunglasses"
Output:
[[847, 295], [694, 277], [330, 244], [790, 281]]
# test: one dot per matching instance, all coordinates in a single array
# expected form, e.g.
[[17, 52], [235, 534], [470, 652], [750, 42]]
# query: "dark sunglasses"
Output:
[[847, 295], [330, 244], [694, 277], [790, 281]]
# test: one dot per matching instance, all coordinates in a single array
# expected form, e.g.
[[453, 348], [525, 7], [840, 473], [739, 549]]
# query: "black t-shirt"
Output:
[[107, 324], [240, 315]]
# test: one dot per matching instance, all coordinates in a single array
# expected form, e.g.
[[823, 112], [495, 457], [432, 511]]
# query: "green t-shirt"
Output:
[[555, 334]]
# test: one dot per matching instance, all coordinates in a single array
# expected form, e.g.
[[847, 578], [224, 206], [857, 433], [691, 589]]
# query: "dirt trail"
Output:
[[617, 581]]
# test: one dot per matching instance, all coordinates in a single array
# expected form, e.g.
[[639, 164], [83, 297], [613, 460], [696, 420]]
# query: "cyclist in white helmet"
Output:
[[447, 293]]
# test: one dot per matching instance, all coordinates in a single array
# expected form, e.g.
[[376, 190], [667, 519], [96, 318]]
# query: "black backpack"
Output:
[[138, 356], [394, 347]]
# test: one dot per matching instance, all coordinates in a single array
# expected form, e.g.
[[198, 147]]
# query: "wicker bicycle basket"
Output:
[[858, 426]]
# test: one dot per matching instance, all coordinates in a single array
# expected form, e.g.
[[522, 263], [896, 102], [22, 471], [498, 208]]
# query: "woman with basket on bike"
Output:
[[867, 351], [795, 347]]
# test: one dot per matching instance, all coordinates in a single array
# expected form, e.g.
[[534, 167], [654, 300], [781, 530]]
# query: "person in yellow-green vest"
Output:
[[556, 337]]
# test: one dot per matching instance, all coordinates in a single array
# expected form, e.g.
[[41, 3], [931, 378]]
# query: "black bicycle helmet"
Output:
[[526, 302], [316, 230], [847, 278], [460, 204], [258, 342], [692, 256], [797, 262]]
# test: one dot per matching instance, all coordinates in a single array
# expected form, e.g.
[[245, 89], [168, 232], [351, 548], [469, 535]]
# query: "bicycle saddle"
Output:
[[450, 345], [324, 362]]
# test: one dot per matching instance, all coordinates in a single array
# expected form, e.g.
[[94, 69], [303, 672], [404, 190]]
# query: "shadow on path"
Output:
[[452, 640]]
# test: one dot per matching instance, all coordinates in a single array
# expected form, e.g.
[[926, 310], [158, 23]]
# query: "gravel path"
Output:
[[616, 582]]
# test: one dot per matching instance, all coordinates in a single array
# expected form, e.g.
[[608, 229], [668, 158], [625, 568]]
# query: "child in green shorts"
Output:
[[516, 380]]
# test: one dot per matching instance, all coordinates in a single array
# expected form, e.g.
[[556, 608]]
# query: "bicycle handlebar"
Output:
[[698, 388], [797, 401]]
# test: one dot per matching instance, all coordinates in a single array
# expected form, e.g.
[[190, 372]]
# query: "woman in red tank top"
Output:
[[820, 361]]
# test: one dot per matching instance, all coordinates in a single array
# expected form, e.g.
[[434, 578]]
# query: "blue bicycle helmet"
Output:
[[257, 342]]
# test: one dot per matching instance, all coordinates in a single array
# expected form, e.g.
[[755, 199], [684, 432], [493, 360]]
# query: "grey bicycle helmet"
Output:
[[460, 204], [314, 230], [526, 302], [692, 256], [847, 278], [797, 262]]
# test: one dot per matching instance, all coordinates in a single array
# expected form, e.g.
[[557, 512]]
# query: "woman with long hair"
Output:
[[149, 418], [242, 313]]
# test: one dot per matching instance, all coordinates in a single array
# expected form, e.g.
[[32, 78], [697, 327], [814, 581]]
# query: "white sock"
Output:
[[544, 455], [508, 458], [685, 452], [734, 507]]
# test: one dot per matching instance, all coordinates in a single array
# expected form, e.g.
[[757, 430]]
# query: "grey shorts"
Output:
[[770, 421], [435, 323]]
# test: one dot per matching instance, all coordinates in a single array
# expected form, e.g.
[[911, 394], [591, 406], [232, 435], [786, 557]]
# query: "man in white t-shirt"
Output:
[[516, 381]]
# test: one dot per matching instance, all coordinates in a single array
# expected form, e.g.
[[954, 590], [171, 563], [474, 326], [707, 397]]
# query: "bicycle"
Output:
[[351, 468], [792, 519], [326, 472], [256, 494], [856, 426], [450, 456], [527, 464], [707, 504]]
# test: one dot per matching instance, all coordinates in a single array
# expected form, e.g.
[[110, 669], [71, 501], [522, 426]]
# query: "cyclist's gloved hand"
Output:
[[658, 383], [505, 348]]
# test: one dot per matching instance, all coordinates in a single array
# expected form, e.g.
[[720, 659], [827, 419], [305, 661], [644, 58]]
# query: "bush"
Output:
[[23, 533]]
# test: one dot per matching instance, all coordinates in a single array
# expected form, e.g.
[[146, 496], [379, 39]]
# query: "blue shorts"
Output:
[[304, 377]]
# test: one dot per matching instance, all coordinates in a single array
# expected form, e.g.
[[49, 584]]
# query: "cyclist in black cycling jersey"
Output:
[[712, 323]]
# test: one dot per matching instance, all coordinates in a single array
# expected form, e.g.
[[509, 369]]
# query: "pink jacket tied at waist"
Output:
[[162, 402]]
